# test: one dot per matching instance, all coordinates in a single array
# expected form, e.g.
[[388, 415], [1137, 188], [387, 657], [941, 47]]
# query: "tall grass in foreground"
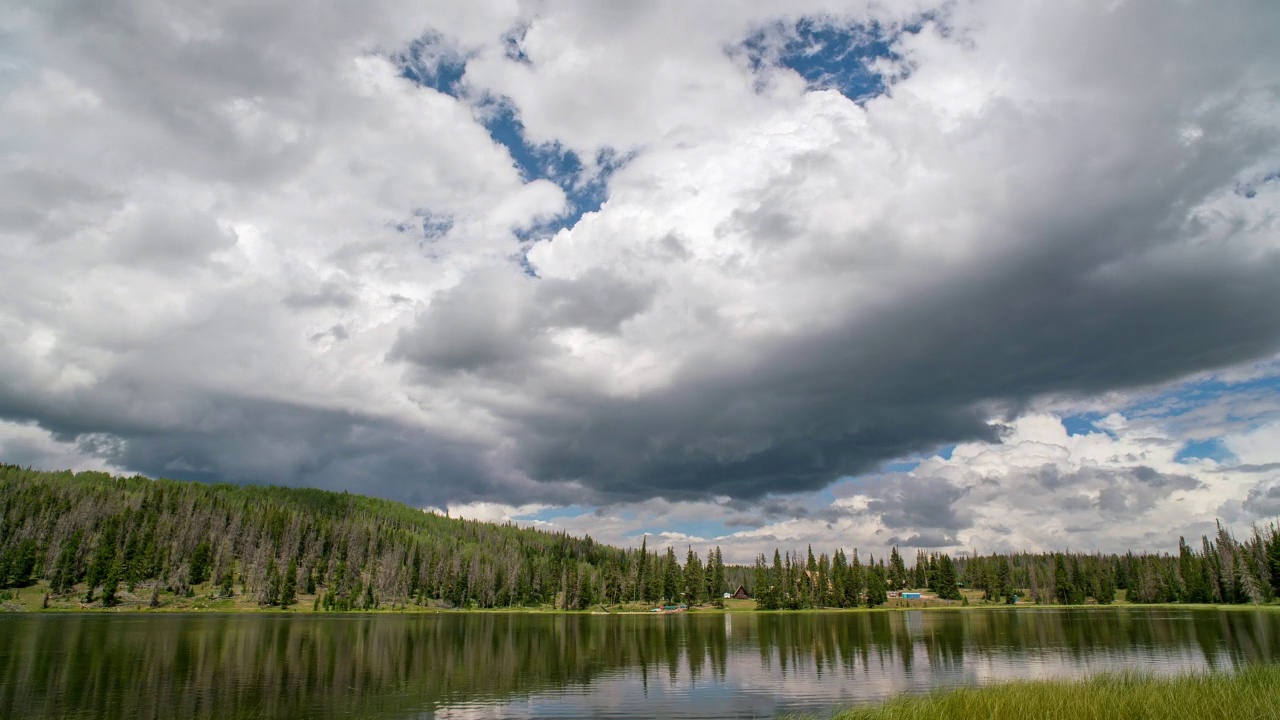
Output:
[[1251, 694]]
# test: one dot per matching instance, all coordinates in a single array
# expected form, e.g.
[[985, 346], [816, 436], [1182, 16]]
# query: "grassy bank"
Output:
[[1253, 693]]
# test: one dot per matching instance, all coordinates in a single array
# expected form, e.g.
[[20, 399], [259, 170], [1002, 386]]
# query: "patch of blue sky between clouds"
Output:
[[1084, 424], [909, 463], [551, 514], [433, 62], [585, 186], [705, 529], [1213, 449], [900, 466], [829, 55], [1195, 395]]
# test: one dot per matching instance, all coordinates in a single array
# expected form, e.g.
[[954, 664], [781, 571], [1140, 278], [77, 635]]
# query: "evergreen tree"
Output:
[[840, 579], [289, 585], [822, 596], [854, 581], [694, 582], [66, 573], [763, 592], [642, 571], [671, 577], [897, 571], [1273, 560], [654, 582], [717, 577], [947, 589], [876, 594], [271, 585], [111, 585], [201, 559], [226, 584], [1064, 592]]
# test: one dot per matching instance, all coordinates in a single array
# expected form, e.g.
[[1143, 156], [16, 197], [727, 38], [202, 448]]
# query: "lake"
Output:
[[580, 666]]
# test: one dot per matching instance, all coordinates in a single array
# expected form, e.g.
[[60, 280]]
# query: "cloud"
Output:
[[1264, 498], [916, 502], [245, 247]]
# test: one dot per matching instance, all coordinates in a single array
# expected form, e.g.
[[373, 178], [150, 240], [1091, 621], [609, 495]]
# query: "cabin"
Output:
[[741, 594]]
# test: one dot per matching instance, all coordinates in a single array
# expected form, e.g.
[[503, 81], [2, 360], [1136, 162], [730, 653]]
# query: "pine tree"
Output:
[[876, 594], [671, 577], [717, 577], [65, 574], [1062, 581], [271, 585], [947, 589], [226, 584], [1273, 560], [694, 582], [839, 579], [654, 581], [642, 571], [201, 559], [111, 585], [854, 581], [777, 582], [289, 586], [760, 583]]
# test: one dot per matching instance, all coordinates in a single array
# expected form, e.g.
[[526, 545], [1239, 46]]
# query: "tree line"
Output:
[[1220, 570], [93, 536]]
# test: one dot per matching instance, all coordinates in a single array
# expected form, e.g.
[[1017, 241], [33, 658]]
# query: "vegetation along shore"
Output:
[[73, 541], [1249, 693]]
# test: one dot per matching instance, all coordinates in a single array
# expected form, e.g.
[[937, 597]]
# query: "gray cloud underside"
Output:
[[1060, 319]]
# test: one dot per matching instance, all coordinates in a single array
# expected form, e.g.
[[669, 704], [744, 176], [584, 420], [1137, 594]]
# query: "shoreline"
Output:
[[28, 601]]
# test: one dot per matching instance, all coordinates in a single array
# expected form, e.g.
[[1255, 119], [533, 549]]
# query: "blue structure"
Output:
[[910, 596]]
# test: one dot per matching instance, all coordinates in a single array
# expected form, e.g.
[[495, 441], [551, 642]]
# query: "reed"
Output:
[[1250, 694]]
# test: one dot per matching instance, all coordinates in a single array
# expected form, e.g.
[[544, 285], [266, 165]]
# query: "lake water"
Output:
[[579, 666]]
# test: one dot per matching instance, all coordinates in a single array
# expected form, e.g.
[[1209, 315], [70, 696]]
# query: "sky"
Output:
[[972, 275]]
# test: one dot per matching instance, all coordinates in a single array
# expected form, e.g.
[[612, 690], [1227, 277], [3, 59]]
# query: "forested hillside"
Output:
[[92, 536]]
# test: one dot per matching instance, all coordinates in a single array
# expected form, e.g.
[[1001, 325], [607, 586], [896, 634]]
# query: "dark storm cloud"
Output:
[[1080, 312], [247, 440]]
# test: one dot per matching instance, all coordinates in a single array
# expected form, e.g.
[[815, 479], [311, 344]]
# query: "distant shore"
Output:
[[32, 599]]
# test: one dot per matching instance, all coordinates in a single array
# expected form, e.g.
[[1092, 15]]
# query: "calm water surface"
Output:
[[530, 666]]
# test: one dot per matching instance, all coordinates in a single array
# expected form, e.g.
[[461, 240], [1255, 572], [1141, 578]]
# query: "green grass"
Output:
[[1251, 694]]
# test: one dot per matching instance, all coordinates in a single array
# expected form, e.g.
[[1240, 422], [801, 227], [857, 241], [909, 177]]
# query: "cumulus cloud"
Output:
[[241, 246]]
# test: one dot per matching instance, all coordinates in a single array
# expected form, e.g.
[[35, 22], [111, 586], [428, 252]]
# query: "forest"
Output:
[[89, 535]]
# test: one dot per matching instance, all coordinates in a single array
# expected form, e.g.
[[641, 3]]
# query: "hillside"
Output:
[[97, 539], [89, 539]]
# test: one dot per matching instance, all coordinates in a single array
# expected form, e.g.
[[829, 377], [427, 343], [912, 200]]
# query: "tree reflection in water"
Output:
[[397, 666]]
